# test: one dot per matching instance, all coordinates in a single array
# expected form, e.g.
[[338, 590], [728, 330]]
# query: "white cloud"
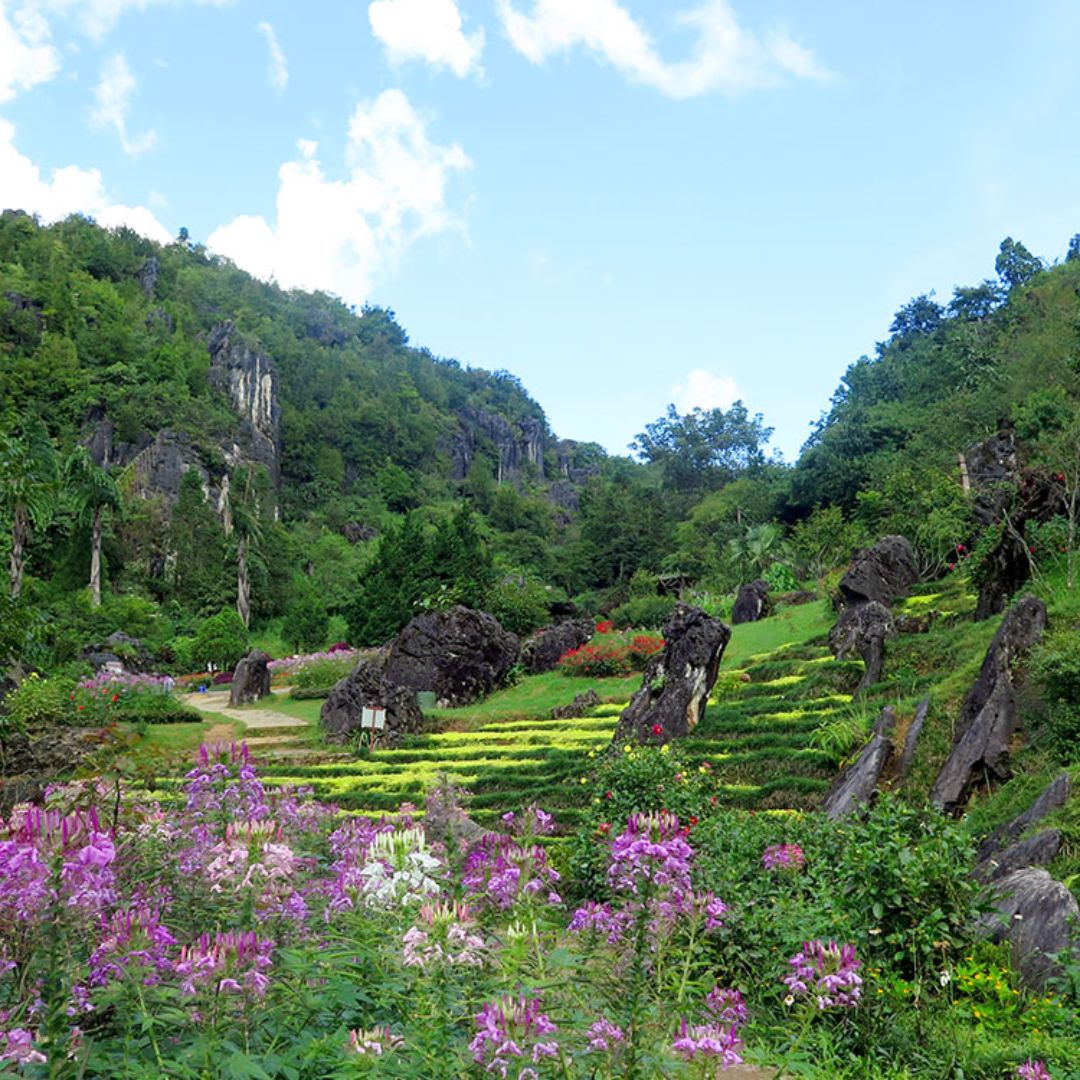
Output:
[[703, 390], [112, 97], [70, 190], [725, 56], [26, 57], [278, 72], [428, 30], [338, 235]]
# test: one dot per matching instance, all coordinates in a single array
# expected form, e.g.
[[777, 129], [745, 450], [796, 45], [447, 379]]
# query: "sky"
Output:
[[626, 203]]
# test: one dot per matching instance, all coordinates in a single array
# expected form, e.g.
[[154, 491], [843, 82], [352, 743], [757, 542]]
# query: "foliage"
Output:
[[37, 701], [648, 612], [323, 672], [520, 603], [610, 654], [220, 641], [1055, 672], [306, 622]]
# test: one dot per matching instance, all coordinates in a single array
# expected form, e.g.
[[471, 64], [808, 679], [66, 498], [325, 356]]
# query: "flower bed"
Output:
[[611, 653]]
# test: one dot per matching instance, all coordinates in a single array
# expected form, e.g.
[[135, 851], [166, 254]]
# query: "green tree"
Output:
[[1015, 265], [199, 573], [220, 641], [93, 493], [28, 489], [306, 621]]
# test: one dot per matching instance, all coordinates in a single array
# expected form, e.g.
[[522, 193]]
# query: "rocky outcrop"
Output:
[[580, 706], [1037, 850], [367, 687], [31, 760], [541, 651], [988, 717], [251, 679], [247, 377], [911, 740], [863, 629], [990, 472], [752, 603], [1055, 794], [460, 655], [856, 787], [676, 682], [1032, 912], [119, 652], [883, 573], [512, 445], [147, 276]]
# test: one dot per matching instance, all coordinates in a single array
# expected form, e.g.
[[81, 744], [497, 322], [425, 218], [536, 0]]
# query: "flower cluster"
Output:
[[133, 942], [227, 963], [448, 936], [611, 655], [604, 1036], [512, 1028], [726, 1006], [17, 1047], [1033, 1070], [709, 1041], [503, 872], [374, 1041], [652, 849], [783, 857], [826, 972]]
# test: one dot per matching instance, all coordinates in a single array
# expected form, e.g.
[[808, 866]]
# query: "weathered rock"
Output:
[[915, 624], [990, 470], [1004, 572], [460, 654], [367, 687], [676, 682], [517, 444], [1032, 912], [160, 321], [855, 788], [582, 703], [911, 740], [1037, 850], [357, 531], [446, 821], [251, 679], [883, 572], [148, 275], [752, 603], [988, 718], [542, 650], [863, 629], [1055, 794], [118, 652], [31, 760]]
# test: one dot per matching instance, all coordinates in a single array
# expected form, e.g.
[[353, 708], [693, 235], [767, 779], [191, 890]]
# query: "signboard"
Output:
[[373, 718]]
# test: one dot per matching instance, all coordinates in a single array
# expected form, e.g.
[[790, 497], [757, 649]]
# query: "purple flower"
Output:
[[503, 872], [783, 857], [512, 1028], [17, 1045], [375, 1041], [651, 849], [709, 1040], [726, 1006], [448, 936], [225, 963], [604, 1036], [827, 972], [132, 941], [600, 919], [1033, 1070]]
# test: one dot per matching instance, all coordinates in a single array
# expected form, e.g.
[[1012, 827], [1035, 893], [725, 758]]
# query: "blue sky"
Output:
[[624, 202]]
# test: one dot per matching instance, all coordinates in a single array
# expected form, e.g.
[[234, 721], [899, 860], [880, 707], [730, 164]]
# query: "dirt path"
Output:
[[217, 701]]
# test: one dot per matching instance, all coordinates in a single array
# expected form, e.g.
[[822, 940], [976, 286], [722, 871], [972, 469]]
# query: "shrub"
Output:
[[1055, 673], [324, 672], [606, 659], [521, 604], [649, 612], [306, 621], [221, 641], [39, 701]]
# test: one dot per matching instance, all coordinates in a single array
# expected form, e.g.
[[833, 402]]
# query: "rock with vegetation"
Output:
[[863, 629], [251, 679], [1055, 794], [911, 739], [677, 681], [580, 706], [855, 789], [119, 651], [1037, 850], [29, 760], [988, 718], [752, 603], [883, 572], [541, 651], [460, 655], [1034, 914], [367, 687]]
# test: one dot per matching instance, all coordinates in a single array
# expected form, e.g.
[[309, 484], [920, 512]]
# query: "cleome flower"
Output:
[[652, 849], [783, 857], [710, 1041], [826, 972], [445, 935], [512, 1028]]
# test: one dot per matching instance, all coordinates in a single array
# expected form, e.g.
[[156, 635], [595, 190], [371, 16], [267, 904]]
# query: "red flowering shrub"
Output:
[[644, 646], [605, 627], [610, 655]]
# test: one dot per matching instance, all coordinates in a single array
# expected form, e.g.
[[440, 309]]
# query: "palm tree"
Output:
[[28, 483], [92, 492], [245, 522], [757, 549]]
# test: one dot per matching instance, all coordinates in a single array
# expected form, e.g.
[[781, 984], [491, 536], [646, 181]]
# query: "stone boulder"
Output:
[[1037, 850], [752, 603], [1055, 794], [990, 471], [911, 740], [542, 650], [32, 760], [883, 572], [119, 652], [863, 629], [251, 679], [1032, 912], [988, 718], [460, 655], [856, 787], [1004, 572], [582, 703], [367, 687], [676, 683]]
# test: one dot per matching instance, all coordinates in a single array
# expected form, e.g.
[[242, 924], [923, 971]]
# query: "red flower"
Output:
[[657, 730], [605, 627], [693, 819], [604, 827], [952, 566], [115, 697], [608, 795]]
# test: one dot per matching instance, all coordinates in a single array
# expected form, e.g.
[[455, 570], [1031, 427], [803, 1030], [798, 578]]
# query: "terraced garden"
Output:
[[778, 685]]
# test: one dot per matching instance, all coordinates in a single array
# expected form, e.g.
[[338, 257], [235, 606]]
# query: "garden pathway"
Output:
[[217, 701]]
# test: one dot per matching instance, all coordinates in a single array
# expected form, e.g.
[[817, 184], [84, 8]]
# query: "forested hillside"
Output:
[[282, 454]]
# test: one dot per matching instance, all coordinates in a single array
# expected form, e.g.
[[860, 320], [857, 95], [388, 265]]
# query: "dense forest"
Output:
[[178, 439]]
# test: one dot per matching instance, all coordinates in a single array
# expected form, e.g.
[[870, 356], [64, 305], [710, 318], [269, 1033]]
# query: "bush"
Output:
[[610, 654], [649, 612], [306, 623], [39, 701], [521, 604], [183, 650], [1055, 673], [221, 641], [324, 672]]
